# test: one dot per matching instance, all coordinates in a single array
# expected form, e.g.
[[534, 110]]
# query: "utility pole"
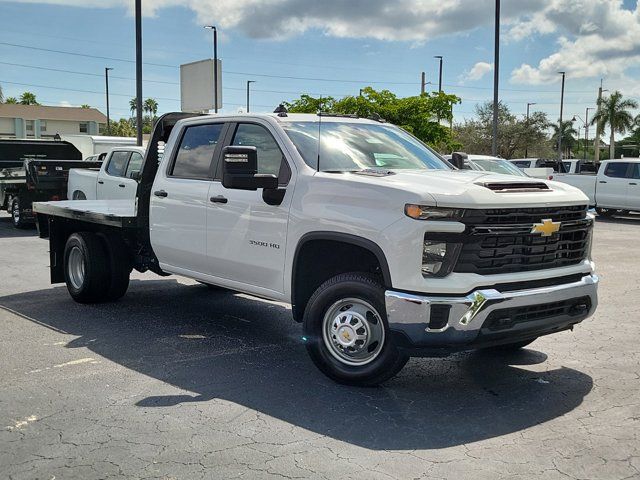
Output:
[[249, 82], [139, 73], [560, 124], [526, 145], [596, 143], [215, 66], [439, 57], [423, 82], [496, 78], [586, 131], [106, 80]]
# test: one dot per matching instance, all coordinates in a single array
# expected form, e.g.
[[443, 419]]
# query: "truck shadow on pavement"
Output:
[[218, 344], [7, 230]]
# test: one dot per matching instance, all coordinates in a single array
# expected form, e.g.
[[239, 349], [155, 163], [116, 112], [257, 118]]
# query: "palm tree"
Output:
[[151, 105], [568, 136], [85, 105], [28, 98], [133, 106], [613, 111], [11, 100]]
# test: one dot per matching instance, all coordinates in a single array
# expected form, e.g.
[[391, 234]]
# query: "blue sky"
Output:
[[387, 49]]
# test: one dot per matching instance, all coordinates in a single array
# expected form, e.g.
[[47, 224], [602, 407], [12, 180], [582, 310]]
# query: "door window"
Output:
[[635, 171], [195, 154], [135, 163], [117, 164], [270, 158], [617, 170]]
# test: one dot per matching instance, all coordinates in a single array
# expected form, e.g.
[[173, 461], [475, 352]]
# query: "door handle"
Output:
[[121, 185], [219, 199], [100, 182], [602, 181], [160, 193]]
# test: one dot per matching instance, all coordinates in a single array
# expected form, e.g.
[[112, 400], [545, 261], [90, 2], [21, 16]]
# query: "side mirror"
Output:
[[458, 158], [135, 175], [240, 170]]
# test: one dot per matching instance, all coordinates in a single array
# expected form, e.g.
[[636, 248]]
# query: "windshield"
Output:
[[499, 166], [350, 146]]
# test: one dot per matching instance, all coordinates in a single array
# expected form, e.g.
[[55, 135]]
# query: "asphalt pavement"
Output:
[[177, 381]]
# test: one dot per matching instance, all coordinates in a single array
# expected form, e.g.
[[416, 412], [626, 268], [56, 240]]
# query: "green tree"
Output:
[[124, 127], [28, 98], [11, 100], [85, 105], [419, 115], [515, 135], [150, 105], [1, 95], [613, 112], [133, 106], [569, 134]]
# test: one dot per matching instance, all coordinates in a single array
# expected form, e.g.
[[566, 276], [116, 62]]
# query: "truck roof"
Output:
[[296, 117]]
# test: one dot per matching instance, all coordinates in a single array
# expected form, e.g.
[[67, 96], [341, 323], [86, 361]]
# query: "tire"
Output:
[[510, 347], [119, 265], [330, 331], [16, 214], [86, 268], [605, 212]]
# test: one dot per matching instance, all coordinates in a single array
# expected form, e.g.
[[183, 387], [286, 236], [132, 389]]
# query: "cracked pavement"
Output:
[[179, 382]]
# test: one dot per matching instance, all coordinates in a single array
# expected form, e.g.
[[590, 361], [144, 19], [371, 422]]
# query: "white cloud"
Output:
[[603, 40], [478, 71]]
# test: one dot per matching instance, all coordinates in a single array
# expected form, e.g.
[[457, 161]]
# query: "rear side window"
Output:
[[195, 154], [523, 164], [117, 163], [617, 170], [635, 171], [134, 164]]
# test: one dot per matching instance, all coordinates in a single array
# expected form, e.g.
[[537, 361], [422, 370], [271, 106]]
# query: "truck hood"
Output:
[[466, 188]]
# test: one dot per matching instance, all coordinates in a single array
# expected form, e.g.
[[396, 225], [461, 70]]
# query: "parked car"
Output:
[[34, 170], [488, 163], [615, 189], [382, 249], [116, 177]]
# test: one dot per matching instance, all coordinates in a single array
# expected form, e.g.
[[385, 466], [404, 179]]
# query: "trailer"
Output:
[[32, 171]]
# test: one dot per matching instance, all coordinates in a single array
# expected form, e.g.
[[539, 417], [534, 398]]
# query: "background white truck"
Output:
[[383, 250], [615, 189], [116, 178]]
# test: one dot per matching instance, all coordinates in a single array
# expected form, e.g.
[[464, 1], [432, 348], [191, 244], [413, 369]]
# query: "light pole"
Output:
[[560, 124], [139, 73], [586, 130], [526, 145], [106, 81], [496, 77], [215, 66], [439, 57], [596, 144], [249, 82]]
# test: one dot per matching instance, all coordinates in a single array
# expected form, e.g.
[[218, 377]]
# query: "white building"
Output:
[[38, 121]]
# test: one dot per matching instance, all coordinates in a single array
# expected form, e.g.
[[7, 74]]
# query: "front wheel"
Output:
[[347, 334]]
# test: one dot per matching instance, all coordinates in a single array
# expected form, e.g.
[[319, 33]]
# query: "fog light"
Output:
[[433, 257]]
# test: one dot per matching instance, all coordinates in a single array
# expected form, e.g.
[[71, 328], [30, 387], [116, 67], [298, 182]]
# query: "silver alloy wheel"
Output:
[[75, 267], [353, 331]]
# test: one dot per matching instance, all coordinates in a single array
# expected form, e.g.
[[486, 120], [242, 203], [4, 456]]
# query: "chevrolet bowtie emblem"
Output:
[[547, 228], [346, 336]]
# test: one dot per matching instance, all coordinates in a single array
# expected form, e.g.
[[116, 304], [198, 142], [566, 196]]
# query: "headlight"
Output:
[[438, 257], [423, 212]]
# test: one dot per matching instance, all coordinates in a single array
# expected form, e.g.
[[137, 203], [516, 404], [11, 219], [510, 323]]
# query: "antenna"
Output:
[[319, 133]]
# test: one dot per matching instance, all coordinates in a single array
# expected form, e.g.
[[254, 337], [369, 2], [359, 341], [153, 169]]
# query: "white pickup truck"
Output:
[[615, 189], [383, 249], [116, 178]]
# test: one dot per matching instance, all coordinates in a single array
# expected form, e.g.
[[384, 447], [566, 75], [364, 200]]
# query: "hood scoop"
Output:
[[515, 187]]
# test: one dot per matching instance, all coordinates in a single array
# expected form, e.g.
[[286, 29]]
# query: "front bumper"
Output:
[[487, 317]]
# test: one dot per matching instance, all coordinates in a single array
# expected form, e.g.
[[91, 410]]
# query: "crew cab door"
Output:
[[633, 188], [113, 182], [246, 236], [612, 185], [179, 199]]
